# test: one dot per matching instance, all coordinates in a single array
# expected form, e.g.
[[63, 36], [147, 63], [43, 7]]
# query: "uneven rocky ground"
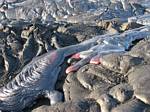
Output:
[[120, 83]]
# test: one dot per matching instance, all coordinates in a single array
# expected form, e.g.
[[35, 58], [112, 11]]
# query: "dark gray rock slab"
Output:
[[91, 81], [139, 78], [133, 105], [120, 62], [122, 92], [107, 102], [71, 106], [73, 89], [142, 50]]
